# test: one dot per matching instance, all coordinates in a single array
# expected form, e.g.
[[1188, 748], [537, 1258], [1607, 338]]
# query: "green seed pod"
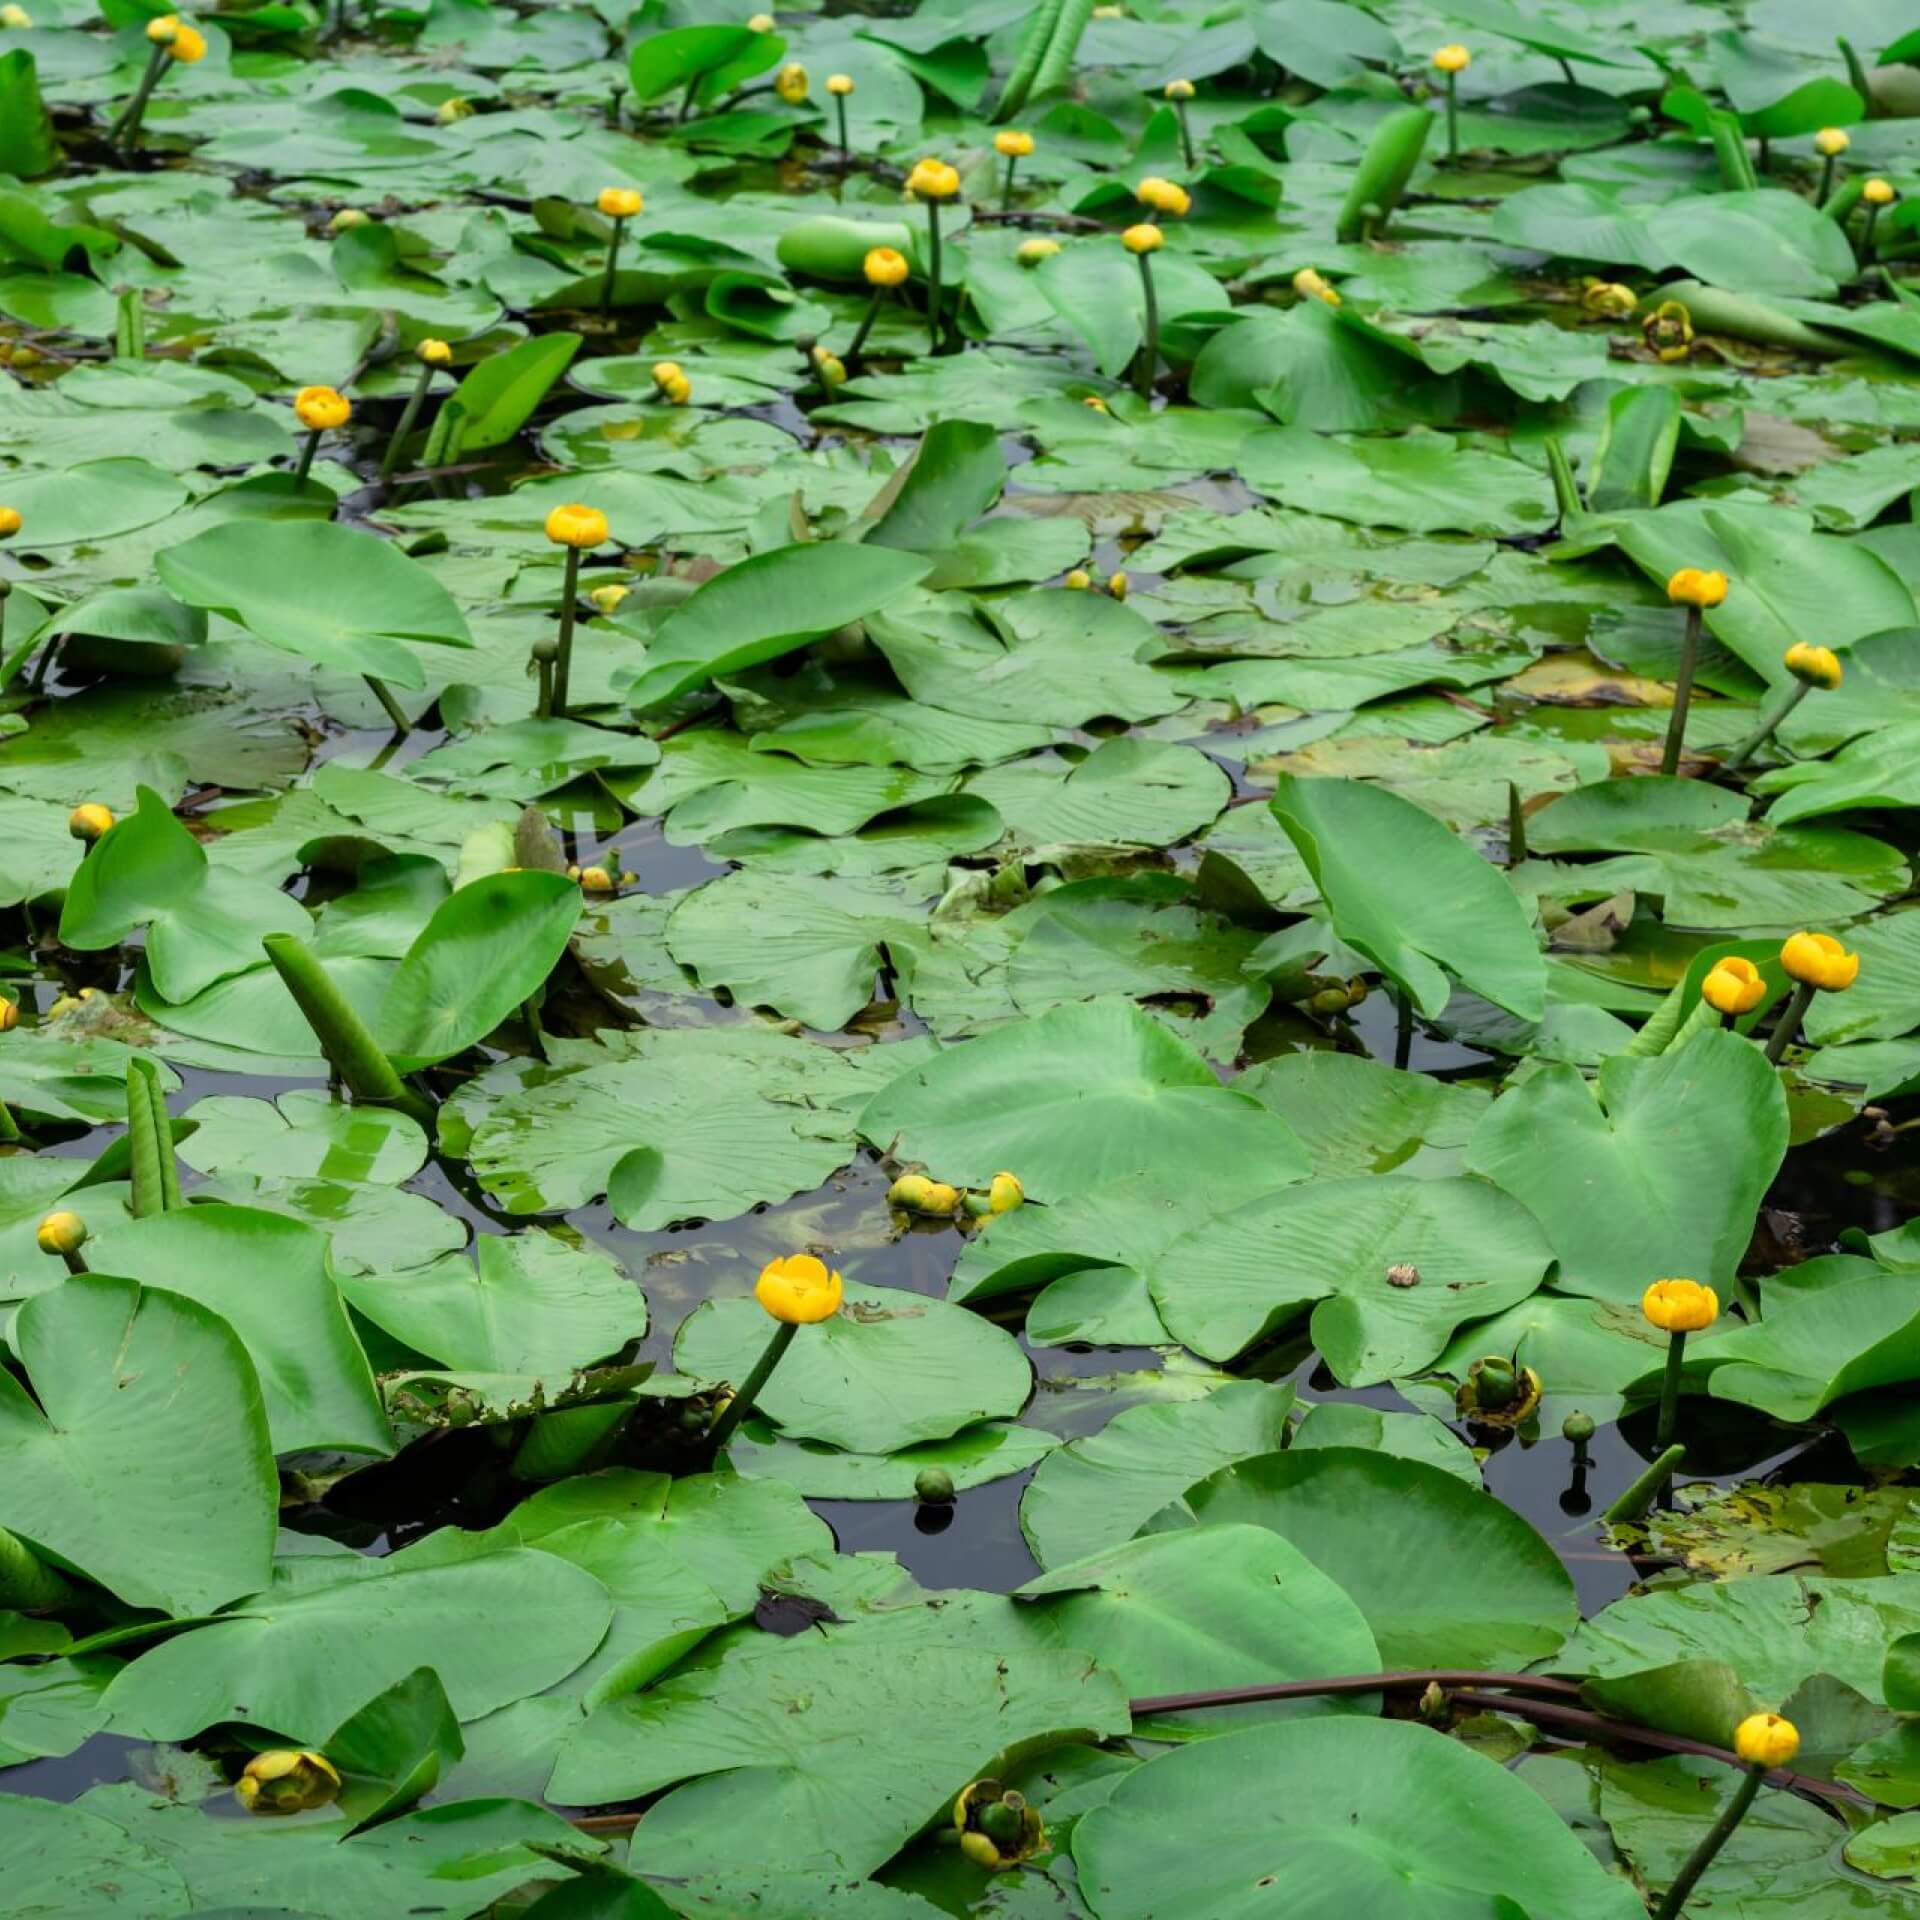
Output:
[[1577, 1427], [933, 1486]]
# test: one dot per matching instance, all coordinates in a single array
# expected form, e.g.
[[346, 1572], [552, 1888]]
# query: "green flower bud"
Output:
[[933, 1486]]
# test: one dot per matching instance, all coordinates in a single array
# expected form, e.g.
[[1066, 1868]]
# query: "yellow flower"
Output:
[[666, 372], [1817, 666], [840, 84], [347, 219], [9, 1015], [833, 370], [321, 407], [608, 598], [453, 108], [187, 46], [1733, 985], [909, 1192], [1452, 58], [1680, 1306], [791, 83], [10, 522], [620, 203], [436, 353], [1668, 331], [1179, 89], [12, 16], [933, 180], [1094, 404], [799, 1289], [1610, 298], [885, 266], [1079, 580], [1691, 587], [1766, 1740], [90, 821], [1117, 585], [760, 23], [942, 1199], [1014, 144], [595, 880], [1033, 251], [287, 1780], [61, 1233], [1310, 284], [1005, 1193], [1819, 960], [1878, 192], [1163, 196], [678, 391], [1145, 238], [1832, 141], [577, 526], [162, 30]]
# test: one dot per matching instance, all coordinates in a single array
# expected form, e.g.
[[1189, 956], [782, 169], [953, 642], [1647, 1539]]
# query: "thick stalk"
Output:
[[1634, 1502], [1765, 164], [1402, 1028], [1788, 1025], [306, 458], [1453, 116], [395, 711], [1143, 368], [1826, 180], [1006, 191], [1670, 1391], [1682, 694], [1864, 257], [613, 261], [742, 1402], [563, 660], [1714, 1839], [543, 703], [127, 127], [866, 327], [933, 276], [1764, 732], [344, 1037], [415, 401], [1186, 133], [840, 113]]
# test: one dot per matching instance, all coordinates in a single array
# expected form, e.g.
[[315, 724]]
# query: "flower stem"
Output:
[[1864, 257], [1186, 133], [1453, 116], [1714, 1839], [1682, 694], [395, 712], [1670, 1391], [1006, 192], [1761, 734], [563, 660], [866, 327], [1788, 1025], [933, 276], [1633, 1504], [415, 401], [613, 261], [1143, 368], [1402, 1028], [1826, 180], [840, 113], [543, 704], [127, 128], [741, 1404], [306, 458]]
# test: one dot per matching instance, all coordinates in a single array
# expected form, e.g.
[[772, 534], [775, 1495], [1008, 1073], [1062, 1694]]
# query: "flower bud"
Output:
[[1144, 238], [434, 353], [1079, 579], [1328, 1002], [1610, 298], [89, 821], [760, 23], [1577, 1427], [791, 83], [1766, 1740], [577, 526], [1680, 1306], [840, 85], [1733, 985], [319, 408], [1117, 585], [1031, 252], [607, 599], [909, 1193], [1163, 196], [1692, 587], [620, 203], [933, 1486], [1310, 284], [1819, 960], [10, 521], [1179, 90], [1816, 666], [61, 1233], [1452, 58], [455, 108], [1012, 143], [347, 219], [1004, 1193], [1832, 141], [595, 880], [9, 1014], [1878, 193], [942, 1201], [287, 1780]]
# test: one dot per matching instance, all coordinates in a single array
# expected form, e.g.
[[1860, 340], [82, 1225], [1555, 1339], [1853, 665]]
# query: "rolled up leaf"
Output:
[[1026, 61], [1056, 66], [368, 1073], [1385, 168]]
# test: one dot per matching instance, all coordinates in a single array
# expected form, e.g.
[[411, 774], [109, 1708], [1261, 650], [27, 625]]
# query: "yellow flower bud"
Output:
[[933, 180], [188, 46], [1817, 666], [1691, 587], [577, 526], [760, 23], [14, 16], [1765, 1740], [89, 821], [833, 370], [287, 1780], [1179, 90], [1878, 193], [885, 266], [942, 1200], [162, 30], [1680, 1306], [455, 108], [620, 203], [319, 408], [1163, 196], [980, 1850], [666, 372], [791, 83], [61, 1232], [9, 1014], [799, 1289], [608, 598], [1452, 58], [1145, 238], [1311, 284], [678, 391], [909, 1192], [347, 219], [1032, 252], [840, 84], [10, 522], [1012, 143], [1733, 985], [1832, 141], [595, 880], [1609, 298], [1117, 585], [1819, 960], [436, 353], [1079, 580], [1668, 331], [1005, 1193], [1094, 404]]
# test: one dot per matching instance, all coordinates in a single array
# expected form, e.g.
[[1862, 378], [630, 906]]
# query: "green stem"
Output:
[[1826, 180], [344, 1037], [1711, 1842], [127, 127], [1186, 133], [1516, 826], [1633, 1504], [1864, 257], [1143, 368], [933, 276], [840, 113], [27, 1583], [866, 327], [1402, 1028], [1453, 116], [395, 711], [1766, 155], [1789, 1023], [76, 1262], [415, 401], [1764, 732], [306, 458], [742, 1402], [613, 261], [1006, 192], [1670, 1391], [1682, 694], [1566, 489], [543, 704], [563, 660]]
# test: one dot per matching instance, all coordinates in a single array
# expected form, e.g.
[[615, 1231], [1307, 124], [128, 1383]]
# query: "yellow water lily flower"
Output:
[[791, 83], [1178, 90], [456, 107], [1680, 1306], [577, 526], [1733, 985], [1079, 580], [1695, 587], [933, 180], [1032, 252], [434, 353], [840, 85], [760, 23], [1832, 141], [1117, 585], [620, 203], [797, 1289], [1014, 144], [1819, 960], [10, 522], [608, 598], [1005, 1193], [1163, 196], [347, 219], [318, 408], [61, 1233], [1452, 58], [1766, 1740], [885, 266], [15, 16], [89, 821], [1878, 193], [287, 1780], [1310, 284], [1816, 666], [1609, 298], [1144, 238]]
